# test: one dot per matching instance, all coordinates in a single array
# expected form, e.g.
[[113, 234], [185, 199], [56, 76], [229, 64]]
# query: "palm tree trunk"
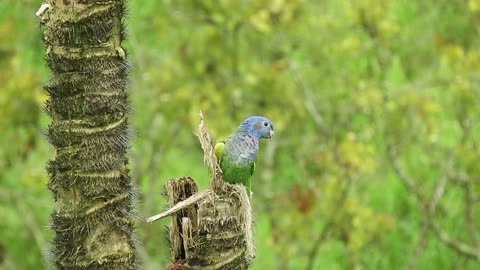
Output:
[[88, 176]]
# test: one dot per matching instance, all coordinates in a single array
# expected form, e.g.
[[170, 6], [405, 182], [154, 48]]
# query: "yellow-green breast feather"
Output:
[[219, 149]]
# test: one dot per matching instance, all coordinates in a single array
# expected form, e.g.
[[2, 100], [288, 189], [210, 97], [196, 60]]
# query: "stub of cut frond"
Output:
[[209, 158]]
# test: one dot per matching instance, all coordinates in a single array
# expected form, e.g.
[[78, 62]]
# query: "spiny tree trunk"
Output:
[[88, 177]]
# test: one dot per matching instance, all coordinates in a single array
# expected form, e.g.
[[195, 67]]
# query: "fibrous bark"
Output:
[[88, 176], [210, 234]]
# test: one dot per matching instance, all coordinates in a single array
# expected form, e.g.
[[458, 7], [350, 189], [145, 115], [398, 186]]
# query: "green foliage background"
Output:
[[355, 89]]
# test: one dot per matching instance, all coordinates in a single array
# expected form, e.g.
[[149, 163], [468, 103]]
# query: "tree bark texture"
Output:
[[88, 176], [210, 234]]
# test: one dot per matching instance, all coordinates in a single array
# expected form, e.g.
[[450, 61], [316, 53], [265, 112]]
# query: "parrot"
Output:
[[237, 153]]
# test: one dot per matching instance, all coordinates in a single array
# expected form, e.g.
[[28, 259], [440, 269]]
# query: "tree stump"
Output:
[[209, 234]]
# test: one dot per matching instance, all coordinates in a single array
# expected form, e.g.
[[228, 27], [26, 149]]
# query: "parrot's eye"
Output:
[[265, 124]]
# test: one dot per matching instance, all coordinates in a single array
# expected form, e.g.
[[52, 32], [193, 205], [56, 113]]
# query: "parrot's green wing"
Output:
[[249, 181], [232, 173]]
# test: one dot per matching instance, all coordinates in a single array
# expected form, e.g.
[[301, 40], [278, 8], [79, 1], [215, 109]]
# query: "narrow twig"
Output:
[[468, 199], [312, 255], [437, 195], [419, 247], [459, 178], [428, 216], [404, 178], [410, 185], [466, 183], [431, 208], [461, 248]]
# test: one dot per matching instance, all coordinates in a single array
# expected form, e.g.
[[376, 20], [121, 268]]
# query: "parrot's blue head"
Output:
[[258, 127]]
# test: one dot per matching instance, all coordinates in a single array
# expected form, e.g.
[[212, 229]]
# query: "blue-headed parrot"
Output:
[[238, 151]]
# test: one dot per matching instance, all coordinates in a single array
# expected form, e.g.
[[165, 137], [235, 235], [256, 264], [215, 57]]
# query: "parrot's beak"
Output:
[[270, 134]]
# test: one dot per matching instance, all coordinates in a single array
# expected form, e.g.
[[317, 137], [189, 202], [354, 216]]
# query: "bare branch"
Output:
[[464, 180], [406, 180], [427, 218], [419, 247], [461, 248], [437, 194], [312, 256], [468, 199]]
